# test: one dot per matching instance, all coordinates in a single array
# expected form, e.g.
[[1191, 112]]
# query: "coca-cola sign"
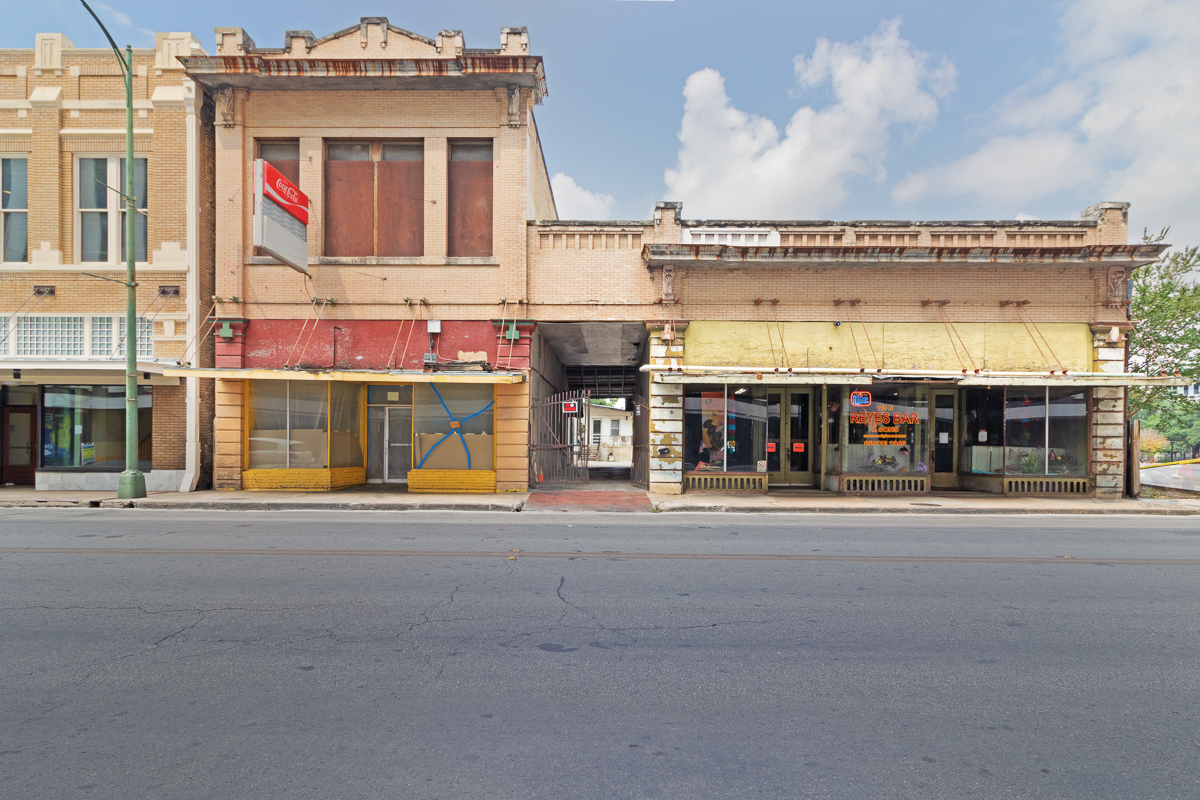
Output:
[[285, 193]]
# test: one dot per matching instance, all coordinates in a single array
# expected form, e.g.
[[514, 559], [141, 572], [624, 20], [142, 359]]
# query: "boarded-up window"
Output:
[[401, 199], [349, 199], [470, 190], [283, 156], [375, 199]]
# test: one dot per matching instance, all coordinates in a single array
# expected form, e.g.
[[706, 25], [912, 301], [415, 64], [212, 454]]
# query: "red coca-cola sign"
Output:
[[285, 193]]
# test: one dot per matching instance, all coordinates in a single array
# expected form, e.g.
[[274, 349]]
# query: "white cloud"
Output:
[[1115, 118], [575, 202], [735, 164], [1023, 217], [122, 19]]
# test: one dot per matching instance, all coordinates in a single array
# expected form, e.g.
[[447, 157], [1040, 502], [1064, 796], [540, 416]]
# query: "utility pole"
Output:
[[133, 483]]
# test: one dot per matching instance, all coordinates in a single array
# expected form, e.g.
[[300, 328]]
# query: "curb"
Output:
[[1167, 512], [286, 506]]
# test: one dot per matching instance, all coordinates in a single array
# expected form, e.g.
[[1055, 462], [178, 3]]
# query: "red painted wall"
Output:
[[368, 344]]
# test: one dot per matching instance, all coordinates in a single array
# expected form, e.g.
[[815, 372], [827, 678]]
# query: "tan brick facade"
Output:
[[62, 104]]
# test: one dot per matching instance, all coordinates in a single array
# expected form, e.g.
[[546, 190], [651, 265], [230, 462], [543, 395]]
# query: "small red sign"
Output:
[[570, 406], [797, 447], [770, 447], [285, 193]]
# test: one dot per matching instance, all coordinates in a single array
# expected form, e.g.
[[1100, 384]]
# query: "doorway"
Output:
[[389, 435], [789, 437], [945, 443], [19, 426]]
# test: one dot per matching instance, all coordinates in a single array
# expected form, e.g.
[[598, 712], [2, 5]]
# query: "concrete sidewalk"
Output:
[[937, 503], [599, 499]]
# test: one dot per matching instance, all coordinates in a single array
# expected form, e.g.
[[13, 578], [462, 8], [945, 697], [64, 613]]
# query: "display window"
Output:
[[304, 425], [83, 427], [453, 426], [885, 430]]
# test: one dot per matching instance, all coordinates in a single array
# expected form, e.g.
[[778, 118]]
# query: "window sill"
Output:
[[385, 261], [19, 266]]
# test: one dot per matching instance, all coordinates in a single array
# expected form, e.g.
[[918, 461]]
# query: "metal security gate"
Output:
[[639, 475], [558, 439]]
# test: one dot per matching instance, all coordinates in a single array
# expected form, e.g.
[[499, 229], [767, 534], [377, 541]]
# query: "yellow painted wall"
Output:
[[452, 480], [1000, 346]]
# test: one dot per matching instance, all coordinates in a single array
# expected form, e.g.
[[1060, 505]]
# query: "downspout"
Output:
[[191, 473]]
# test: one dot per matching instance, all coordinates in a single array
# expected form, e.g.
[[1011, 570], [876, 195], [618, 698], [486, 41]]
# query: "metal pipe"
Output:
[[866, 373]]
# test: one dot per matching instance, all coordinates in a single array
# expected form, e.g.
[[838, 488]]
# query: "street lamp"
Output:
[[133, 483]]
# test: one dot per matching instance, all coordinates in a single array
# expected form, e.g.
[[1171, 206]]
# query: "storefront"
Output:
[[320, 431], [889, 436], [65, 429]]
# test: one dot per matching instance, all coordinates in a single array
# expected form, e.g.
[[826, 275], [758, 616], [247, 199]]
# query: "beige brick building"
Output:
[[62, 338], [438, 313]]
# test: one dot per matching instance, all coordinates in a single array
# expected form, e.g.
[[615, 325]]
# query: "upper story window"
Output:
[[14, 205], [284, 156], [732, 237], [470, 197], [374, 198], [100, 212]]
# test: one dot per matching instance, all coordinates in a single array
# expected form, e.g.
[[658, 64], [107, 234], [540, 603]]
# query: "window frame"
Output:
[[375, 149], [3, 211], [10, 331], [115, 208]]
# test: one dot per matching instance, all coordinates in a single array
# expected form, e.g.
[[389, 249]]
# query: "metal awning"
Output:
[[348, 376]]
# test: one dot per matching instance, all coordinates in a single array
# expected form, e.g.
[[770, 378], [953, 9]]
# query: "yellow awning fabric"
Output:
[[348, 376]]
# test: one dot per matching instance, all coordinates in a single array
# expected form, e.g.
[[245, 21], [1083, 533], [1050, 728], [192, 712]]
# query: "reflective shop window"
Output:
[[982, 432], [885, 430], [453, 426], [1046, 430], [289, 425], [83, 427]]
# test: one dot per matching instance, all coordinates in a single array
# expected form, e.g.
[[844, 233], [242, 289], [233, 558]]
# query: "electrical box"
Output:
[[431, 358], [433, 325]]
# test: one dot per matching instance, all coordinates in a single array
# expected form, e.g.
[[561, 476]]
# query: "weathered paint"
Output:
[[303, 480], [368, 344], [452, 480], [1001, 346]]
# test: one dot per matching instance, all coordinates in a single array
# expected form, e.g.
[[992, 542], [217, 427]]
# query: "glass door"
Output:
[[789, 437], [18, 445], [399, 449], [945, 449], [389, 433]]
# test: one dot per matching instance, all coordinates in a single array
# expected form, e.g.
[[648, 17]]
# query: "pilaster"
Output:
[[229, 434], [666, 410], [1108, 440]]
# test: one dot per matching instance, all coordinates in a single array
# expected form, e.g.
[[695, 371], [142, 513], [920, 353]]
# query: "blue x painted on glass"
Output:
[[456, 427]]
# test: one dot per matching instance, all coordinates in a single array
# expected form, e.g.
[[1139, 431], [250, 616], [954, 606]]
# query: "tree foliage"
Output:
[[1152, 442], [1179, 424], [1165, 311]]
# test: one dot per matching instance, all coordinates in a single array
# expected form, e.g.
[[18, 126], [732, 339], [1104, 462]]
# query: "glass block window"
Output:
[[102, 336], [145, 345], [50, 336]]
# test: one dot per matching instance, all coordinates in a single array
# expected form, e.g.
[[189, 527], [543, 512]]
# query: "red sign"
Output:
[[797, 447], [770, 447], [285, 193], [570, 406]]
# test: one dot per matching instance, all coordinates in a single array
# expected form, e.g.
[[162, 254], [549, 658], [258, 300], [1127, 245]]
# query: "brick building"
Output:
[[402, 355], [444, 312], [863, 357], [62, 341]]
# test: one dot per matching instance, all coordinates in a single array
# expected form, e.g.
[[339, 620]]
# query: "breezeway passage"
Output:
[[414, 654]]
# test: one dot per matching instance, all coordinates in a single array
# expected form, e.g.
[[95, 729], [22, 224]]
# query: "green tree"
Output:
[[1165, 311], [1179, 422]]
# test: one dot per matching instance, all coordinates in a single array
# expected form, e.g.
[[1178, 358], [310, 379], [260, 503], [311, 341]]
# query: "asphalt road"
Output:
[[340, 655]]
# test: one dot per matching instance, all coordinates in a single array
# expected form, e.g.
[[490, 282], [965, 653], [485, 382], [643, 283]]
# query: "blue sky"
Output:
[[851, 110]]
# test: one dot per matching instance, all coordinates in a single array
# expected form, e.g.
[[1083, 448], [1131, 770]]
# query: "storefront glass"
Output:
[[703, 428], [983, 432], [885, 430], [289, 425], [1068, 431], [453, 426], [83, 427], [746, 428], [345, 421], [1025, 430], [833, 429]]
